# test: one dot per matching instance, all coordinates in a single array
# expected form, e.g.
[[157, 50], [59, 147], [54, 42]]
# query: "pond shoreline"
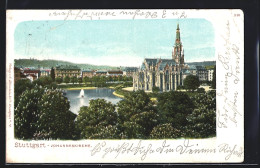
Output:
[[118, 95], [79, 88]]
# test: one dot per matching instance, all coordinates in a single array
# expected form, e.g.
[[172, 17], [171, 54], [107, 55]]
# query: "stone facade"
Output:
[[88, 73], [166, 74]]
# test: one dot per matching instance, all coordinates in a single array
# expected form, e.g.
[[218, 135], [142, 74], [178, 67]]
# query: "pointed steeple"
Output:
[[178, 37], [178, 52]]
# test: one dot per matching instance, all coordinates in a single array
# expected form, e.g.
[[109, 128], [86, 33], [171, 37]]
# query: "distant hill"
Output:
[[204, 63], [47, 64]]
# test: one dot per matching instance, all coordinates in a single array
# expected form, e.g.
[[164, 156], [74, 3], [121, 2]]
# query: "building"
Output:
[[35, 74], [100, 73], [45, 72], [202, 73], [193, 70], [114, 73], [67, 70], [210, 74], [88, 73], [166, 74], [129, 71], [31, 77]]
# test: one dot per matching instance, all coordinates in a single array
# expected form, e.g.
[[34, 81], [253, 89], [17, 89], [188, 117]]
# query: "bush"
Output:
[[201, 90], [104, 132], [155, 89], [165, 131], [58, 80], [191, 82]]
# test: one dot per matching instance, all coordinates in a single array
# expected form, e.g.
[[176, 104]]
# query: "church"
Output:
[[166, 74]]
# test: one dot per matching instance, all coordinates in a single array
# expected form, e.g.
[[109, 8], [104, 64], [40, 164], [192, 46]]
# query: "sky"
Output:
[[113, 42]]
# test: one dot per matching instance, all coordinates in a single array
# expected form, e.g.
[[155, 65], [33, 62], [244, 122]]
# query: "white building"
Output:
[[210, 74]]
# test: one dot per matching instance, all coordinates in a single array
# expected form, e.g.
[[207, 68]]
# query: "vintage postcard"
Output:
[[125, 86]]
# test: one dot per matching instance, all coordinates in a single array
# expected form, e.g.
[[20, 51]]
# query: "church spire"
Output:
[[178, 51], [178, 37]]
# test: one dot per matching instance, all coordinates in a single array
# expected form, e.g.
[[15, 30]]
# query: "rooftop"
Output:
[[67, 67]]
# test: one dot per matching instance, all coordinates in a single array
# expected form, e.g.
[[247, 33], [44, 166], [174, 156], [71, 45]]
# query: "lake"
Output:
[[76, 101]]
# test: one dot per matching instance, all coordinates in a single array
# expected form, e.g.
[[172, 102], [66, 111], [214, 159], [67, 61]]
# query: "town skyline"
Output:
[[127, 42]]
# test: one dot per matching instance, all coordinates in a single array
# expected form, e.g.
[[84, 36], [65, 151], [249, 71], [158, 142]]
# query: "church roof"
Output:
[[151, 61], [165, 62], [155, 61]]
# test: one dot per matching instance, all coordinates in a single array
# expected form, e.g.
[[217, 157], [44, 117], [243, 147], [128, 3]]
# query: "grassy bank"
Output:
[[118, 95], [79, 88]]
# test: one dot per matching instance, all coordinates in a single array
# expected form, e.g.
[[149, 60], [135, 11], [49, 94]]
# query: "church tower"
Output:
[[178, 51]]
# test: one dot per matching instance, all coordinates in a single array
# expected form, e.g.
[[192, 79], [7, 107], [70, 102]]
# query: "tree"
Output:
[[52, 74], [110, 78], [136, 115], [134, 103], [44, 114], [214, 78], [58, 80], [125, 78], [86, 79], [55, 120], [173, 107], [43, 81], [79, 80], [104, 132], [201, 90], [19, 87], [26, 114], [92, 120], [102, 81], [146, 121], [120, 78], [202, 121], [66, 79], [73, 79], [165, 131], [96, 80], [155, 89], [191, 82]]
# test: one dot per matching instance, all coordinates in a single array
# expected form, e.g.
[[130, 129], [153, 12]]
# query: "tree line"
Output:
[[93, 81]]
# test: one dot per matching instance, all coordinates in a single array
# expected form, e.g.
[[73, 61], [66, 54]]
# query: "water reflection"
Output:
[[76, 101]]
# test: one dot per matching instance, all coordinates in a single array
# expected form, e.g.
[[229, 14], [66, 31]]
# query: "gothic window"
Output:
[[180, 78], [153, 79], [161, 81], [173, 81], [177, 79]]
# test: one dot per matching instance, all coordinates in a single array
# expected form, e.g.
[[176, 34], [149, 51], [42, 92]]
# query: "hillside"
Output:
[[47, 64]]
